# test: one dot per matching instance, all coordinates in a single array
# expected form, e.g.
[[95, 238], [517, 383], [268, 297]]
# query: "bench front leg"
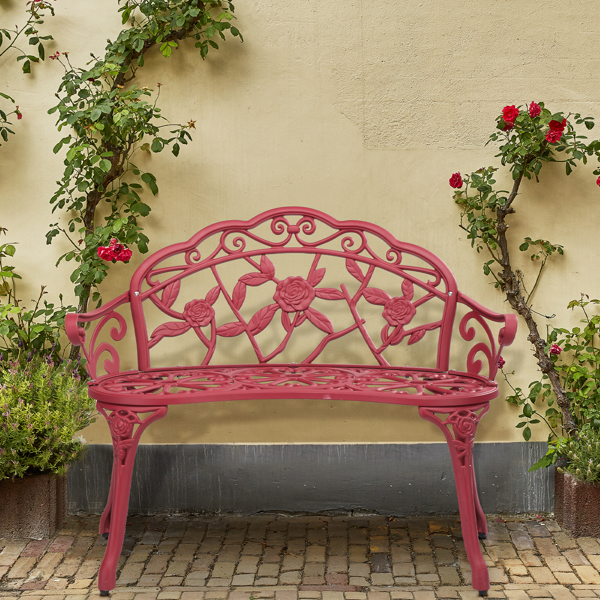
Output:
[[126, 423], [459, 428]]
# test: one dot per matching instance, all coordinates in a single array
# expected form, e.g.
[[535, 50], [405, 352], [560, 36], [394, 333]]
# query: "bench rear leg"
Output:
[[126, 427], [459, 429]]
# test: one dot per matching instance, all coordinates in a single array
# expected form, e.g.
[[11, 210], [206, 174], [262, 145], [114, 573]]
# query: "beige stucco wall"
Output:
[[361, 110]]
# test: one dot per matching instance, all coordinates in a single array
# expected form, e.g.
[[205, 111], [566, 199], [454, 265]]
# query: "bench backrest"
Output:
[[334, 279]]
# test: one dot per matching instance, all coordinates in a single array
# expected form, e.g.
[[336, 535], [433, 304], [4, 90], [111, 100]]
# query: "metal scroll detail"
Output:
[[459, 428], [93, 353], [126, 427]]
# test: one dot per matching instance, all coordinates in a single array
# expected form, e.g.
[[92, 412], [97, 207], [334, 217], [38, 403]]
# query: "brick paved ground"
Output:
[[302, 558]]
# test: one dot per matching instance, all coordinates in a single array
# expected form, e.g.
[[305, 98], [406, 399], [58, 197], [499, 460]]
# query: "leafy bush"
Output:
[[43, 405]]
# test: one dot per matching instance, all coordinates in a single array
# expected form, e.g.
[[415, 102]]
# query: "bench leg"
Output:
[[126, 427], [105, 518], [459, 429]]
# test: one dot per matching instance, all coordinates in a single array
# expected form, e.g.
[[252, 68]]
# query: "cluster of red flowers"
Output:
[[556, 131], [456, 181], [115, 252], [501, 362]]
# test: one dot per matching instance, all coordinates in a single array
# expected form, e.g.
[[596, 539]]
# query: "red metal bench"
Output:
[[305, 264]]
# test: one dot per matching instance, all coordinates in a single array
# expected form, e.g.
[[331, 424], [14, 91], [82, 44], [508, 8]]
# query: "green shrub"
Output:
[[43, 405]]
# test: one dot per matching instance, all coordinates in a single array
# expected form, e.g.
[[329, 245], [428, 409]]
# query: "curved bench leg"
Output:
[[126, 427], [459, 429]]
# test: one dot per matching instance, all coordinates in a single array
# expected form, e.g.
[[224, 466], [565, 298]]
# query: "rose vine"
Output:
[[528, 138], [109, 119]]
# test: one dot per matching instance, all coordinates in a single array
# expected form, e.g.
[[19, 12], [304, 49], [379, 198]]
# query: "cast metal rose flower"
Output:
[[464, 423], [398, 311], [293, 294], [121, 426], [198, 313]]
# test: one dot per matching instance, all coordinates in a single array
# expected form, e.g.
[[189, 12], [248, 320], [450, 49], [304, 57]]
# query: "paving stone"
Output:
[[34, 548], [567, 578], [290, 578], [315, 554], [546, 547], [576, 557], [497, 575], [223, 570], [157, 564], [542, 575], [530, 559], [22, 567], [382, 579], [589, 545], [130, 573], [403, 570], [587, 574], [358, 554], [522, 540], [337, 564], [564, 541], [449, 576], [268, 570], [380, 563], [560, 592], [248, 564]]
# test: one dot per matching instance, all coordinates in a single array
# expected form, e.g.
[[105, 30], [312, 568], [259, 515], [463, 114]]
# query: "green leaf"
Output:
[[157, 145], [27, 67], [105, 165], [527, 434], [96, 114], [589, 124]]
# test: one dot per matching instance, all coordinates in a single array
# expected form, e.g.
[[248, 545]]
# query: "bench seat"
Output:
[[397, 385]]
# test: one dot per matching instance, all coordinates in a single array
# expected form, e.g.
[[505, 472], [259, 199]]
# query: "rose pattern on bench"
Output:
[[294, 296]]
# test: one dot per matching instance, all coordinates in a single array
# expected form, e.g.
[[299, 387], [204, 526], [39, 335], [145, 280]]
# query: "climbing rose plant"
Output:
[[108, 119], [528, 138]]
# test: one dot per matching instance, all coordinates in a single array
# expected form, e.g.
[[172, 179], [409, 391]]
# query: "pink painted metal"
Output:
[[346, 266]]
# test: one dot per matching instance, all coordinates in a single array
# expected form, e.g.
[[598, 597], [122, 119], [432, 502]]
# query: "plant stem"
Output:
[[514, 296]]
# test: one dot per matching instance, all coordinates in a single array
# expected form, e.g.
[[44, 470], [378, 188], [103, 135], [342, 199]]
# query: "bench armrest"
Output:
[[490, 350], [77, 334]]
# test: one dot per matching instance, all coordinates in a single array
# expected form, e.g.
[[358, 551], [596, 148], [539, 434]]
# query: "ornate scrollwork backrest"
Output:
[[365, 250]]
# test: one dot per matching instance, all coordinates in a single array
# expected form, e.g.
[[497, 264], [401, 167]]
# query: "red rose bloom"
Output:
[[398, 311], [198, 313], [535, 110], [115, 252], [598, 181], [501, 362], [294, 293], [509, 114], [456, 181], [555, 349], [556, 131]]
